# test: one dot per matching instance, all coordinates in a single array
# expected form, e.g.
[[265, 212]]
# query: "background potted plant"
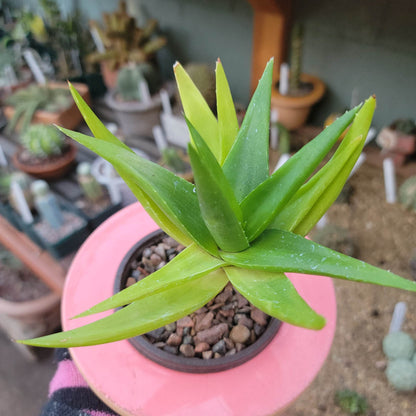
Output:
[[44, 152], [48, 104], [304, 91], [123, 42], [239, 223]]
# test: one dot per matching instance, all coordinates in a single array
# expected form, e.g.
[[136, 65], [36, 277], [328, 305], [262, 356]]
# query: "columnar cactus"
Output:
[[92, 190], [407, 193]]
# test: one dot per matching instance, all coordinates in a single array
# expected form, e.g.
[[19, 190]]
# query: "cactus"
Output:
[[398, 345], [401, 374], [407, 193], [92, 190], [124, 42], [43, 141], [296, 57], [351, 402], [130, 76], [46, 204]]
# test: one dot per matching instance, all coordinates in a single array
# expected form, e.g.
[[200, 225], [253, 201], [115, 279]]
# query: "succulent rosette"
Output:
[[239, 223]]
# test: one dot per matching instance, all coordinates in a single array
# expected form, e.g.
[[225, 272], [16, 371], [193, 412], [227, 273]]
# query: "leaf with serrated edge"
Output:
[[219, 207], [188, 265], [247, 163], [173, 195], [141, 316], [283, 251], [197, 110], [227, 116], [263, 203], [97, 128], [275, 295]]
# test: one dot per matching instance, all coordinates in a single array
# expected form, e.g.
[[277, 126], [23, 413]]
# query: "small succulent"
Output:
[[351, 402], [407, 193], [401, 374], [28, 100], [398, 345], [42, 140], [92, 190], [238, 222], [124, 41]]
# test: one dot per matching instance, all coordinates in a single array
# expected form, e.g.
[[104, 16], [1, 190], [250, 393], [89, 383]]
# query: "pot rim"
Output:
[[182, 363], [318, 90], [67, 158]]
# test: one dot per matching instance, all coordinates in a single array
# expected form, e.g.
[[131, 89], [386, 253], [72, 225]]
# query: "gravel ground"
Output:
[[385, 236]]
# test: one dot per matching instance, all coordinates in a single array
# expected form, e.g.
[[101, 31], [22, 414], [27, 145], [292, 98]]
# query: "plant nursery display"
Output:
[[238, 223]]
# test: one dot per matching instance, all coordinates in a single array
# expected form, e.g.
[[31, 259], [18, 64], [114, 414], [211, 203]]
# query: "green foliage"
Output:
[[405, 125], [172, 159], [239, 223], [42, 141], [124, 41], [28, 100], [351, 402]]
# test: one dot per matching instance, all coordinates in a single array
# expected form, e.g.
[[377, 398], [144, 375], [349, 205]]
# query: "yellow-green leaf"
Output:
[[141, 316]]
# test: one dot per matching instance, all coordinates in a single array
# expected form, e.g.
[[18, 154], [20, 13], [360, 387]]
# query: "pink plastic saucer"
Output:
[[133, 385]]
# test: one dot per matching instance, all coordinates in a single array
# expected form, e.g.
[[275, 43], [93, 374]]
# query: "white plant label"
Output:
[[34, 67], [274, 130], [21, 203], [284, 79], [389, 180]]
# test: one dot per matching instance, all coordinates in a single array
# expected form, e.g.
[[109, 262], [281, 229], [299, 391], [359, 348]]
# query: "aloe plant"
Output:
[[238, 223]]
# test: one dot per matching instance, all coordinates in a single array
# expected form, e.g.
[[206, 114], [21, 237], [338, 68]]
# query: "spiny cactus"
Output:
[[129, 77], [407, 193], [42, 141], [296, 57], [398, 345], [401, 374], [406, 126], [172, 160]]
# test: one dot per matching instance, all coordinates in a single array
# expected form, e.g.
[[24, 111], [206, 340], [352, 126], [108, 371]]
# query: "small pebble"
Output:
[[240, 334], [187, 350]]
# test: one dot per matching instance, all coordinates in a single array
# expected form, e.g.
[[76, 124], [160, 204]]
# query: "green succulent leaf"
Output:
[[188, 265], [275, 295], [227, 117], [97, 128], [173, 196], [219, 207], [264, 202], [315, 197], [197, 110], [305, 208], [247, 163], [283, 251], [141, 316]]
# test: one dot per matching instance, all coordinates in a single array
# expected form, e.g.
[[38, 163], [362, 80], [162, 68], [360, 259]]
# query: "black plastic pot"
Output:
[[181, 363]]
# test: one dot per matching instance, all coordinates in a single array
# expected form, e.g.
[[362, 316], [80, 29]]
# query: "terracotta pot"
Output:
[[133, 385], [177, 362], [109, 75], [294, 111], [68, 118], [48, 170]]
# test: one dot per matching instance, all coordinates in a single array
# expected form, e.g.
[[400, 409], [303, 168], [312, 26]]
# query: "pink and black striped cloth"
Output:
[[69, 394]]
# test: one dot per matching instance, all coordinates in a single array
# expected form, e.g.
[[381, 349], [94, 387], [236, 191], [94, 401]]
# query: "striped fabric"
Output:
[[69, 394]]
